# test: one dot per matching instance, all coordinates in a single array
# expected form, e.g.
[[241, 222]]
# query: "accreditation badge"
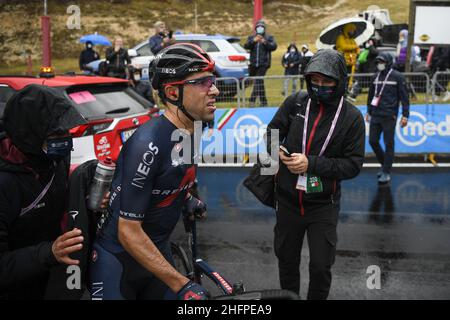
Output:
[[301, 182], [314, 184], [375, 101]]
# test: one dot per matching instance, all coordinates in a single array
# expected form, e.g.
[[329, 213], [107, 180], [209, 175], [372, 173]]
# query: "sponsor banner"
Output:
[[242, 130]]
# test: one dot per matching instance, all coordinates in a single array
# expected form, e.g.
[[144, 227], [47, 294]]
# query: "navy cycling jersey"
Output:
[[149, 184]]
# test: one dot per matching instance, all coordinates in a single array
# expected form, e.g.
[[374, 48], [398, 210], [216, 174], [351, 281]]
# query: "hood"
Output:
[[89, 43], [260, 23], [11, 158], [330, 63], [292, 46], [387, 58], [349, 28], [34, 113], [404, 33]]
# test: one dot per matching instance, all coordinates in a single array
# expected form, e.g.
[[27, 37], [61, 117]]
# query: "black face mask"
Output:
[[59, 148], [323, 93]]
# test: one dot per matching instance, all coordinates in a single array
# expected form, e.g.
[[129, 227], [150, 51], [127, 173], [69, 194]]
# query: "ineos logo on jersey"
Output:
[[148, 158], [144, 167], [168, 71]]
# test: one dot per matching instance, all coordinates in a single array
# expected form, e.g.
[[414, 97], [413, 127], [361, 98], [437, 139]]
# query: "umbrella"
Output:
[[327, 38], [96, 39]]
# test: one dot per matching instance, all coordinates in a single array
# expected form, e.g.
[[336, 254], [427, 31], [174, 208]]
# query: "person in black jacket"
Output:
[[291, 61], [117, 59], [87, 56], [34, 167], [260, 44], [308, 182], [142, 88], [388, 88]]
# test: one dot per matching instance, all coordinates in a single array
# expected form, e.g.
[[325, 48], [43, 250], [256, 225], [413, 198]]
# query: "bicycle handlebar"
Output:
[[274, 294]]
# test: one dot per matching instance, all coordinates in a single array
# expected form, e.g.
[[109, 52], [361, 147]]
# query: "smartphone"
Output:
[[285, 151], [170, 34]]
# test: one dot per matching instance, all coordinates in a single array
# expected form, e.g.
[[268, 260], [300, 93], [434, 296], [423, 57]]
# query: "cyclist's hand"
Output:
[[193, 291], [194, 207]]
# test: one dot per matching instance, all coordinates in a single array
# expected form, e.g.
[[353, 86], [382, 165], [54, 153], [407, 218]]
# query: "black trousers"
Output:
[[258, 88], [290, 230], [387, 127]]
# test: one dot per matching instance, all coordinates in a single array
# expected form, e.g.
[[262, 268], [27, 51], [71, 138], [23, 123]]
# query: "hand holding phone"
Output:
[[285, 151]]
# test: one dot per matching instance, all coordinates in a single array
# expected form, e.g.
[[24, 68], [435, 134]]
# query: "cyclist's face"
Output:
[[200, 97]]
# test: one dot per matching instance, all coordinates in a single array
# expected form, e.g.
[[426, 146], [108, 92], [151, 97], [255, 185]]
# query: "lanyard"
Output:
[[333, 126], [384, 83], [39, 198]]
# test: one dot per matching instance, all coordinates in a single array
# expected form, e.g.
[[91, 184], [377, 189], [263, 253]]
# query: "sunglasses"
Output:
[[204, 82]]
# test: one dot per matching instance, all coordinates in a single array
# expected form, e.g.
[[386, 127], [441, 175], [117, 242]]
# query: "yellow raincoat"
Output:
[[347, 45]]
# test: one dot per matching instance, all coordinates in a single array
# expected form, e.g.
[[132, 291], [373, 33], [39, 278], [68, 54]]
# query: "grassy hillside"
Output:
[[295, 20]]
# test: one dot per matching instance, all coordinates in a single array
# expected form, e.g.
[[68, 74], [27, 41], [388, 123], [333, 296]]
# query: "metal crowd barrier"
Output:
[[440, 86], [273, 90], [230, 92], [269, 90]]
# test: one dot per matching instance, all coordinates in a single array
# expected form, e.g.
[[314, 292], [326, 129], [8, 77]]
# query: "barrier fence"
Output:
[[270, 91]]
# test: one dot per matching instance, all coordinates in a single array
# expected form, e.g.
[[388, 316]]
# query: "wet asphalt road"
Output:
[[403, 228]]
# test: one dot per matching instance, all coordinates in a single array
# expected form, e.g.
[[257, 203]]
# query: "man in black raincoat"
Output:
[[308, 181], [34, 167], [87, 56], [260, 44]]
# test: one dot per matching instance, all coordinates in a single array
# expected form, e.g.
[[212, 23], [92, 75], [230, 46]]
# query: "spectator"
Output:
[[402, 48], [306, 56], [87, 56], [387, 90], [143, 88], [34, 170], [440, 61], [161, 38], [291, 62], [346, 44], [308, 181], [117, 59], [366, 64], [261, 44]]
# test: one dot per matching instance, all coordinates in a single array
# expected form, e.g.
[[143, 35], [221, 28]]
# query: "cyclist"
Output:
[[131, 256]]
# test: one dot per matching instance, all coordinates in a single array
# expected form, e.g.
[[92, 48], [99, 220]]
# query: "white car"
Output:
[[230, 57]]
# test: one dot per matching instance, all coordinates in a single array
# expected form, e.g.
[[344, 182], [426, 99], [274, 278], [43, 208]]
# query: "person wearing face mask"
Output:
[[387, 90], [143, 88], [161, 38], [87, 56], [366, 64], [34, 167], [291, 62], [261, 44], [324, 135]]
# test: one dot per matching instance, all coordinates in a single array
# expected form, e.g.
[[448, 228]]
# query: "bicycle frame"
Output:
[[201, 267]]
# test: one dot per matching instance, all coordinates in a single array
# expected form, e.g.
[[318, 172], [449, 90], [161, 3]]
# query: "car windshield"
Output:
[[237, 46], [100, 102]]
